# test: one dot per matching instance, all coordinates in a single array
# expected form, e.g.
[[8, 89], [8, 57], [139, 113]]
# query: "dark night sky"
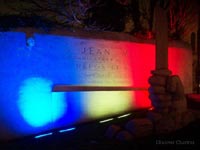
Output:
[[111, 16]]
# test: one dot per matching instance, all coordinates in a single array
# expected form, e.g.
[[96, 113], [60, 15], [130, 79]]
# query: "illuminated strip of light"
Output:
[[66, 130], [122, 116], [42, 135], [106, 120]]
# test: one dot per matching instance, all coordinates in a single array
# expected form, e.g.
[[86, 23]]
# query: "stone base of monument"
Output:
[[170, 111], [124, 136], [112, 131], [139, 127], [153, 124], [168, 99], [165, 125], [160, 98], [187, 117], [178, 106], [154, 116]]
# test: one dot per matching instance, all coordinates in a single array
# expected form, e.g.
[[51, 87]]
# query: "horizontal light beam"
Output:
[[125, 115], [42, 135], [107, 120], [67, 130]]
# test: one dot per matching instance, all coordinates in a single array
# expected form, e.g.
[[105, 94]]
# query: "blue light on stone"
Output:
[[37, 105]]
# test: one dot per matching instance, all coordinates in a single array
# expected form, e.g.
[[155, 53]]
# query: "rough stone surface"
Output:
[[160, 97], [140, 127], [163, 111], [177, 122], [164, 104], [168, 99], [124, 136], [154, 116], [112, 131], [165, 125], [157, 80], [157, 89], [161, 72], [187, 117], [175, 87], [178, 106]]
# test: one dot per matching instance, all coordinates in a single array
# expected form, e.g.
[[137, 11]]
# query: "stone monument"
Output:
[[166, 90]]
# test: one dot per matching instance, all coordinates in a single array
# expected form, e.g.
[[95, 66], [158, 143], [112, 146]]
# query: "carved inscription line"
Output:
[[98, 65]]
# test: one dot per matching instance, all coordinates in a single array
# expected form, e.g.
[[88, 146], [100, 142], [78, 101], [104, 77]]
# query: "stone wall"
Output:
[[31, 57]]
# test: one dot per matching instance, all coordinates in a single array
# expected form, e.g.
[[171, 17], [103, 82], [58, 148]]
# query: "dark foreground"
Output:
[[92, 137]]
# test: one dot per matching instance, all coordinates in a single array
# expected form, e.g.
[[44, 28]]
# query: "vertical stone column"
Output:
[[158, 94], [161, 38], [166, 91]]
